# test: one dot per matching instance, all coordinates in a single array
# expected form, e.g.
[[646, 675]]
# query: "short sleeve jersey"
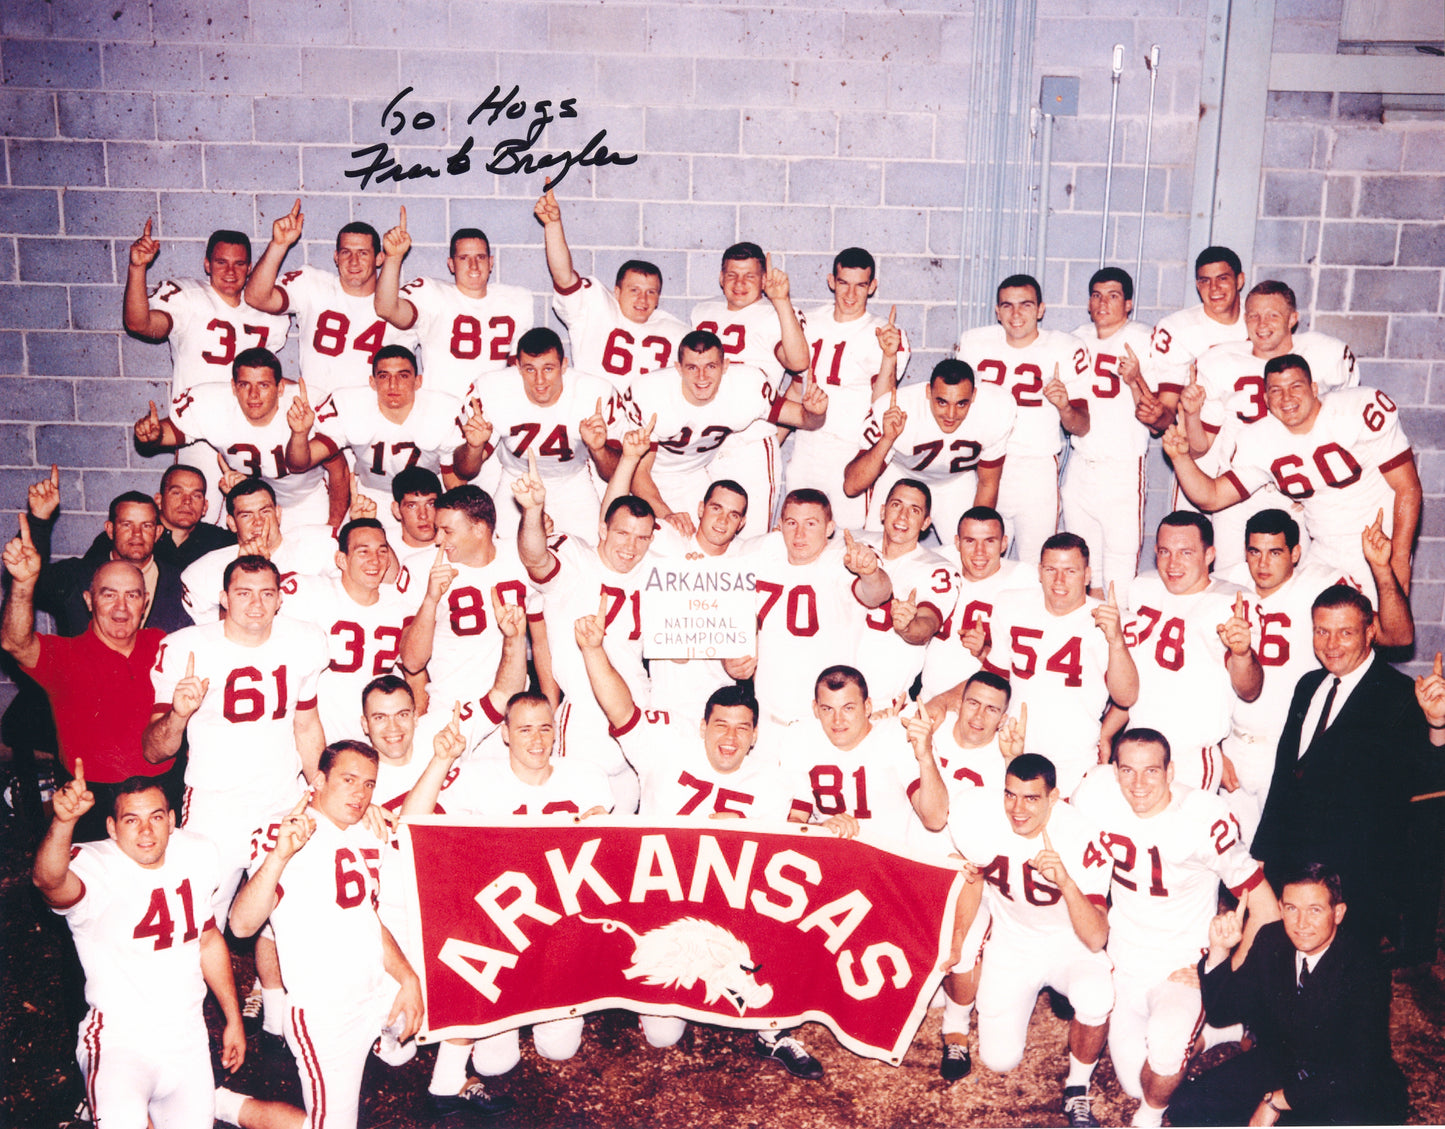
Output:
[[808, 619], [380, 449], [328, 934], [964, 772], [207, 332], [491, 788], [340, 333], [749, 336], [575, 586], [1282, 631], [926, 452], [687, 436], [1184, 687], [947, 661], [1026, 907], [874, 781], [1337, 469], [305, 550], [211, 412], [1023, 373], [888, 661], [1233, 377], [467, 644], [1114, 432], [242, 740], [1057, 665], [365, 641], [1167, 871], [1184, 336], [552, 432], [604, 340], [846, 357], [394, 782], [462, 337], [677, 779], [138, 931]]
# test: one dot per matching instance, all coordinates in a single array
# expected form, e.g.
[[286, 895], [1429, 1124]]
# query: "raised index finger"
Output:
[[651, 423], [441, 556], [303, 803], [301, 389], [145, 234], [531, 462], [402, 225], [80, 774], [893, 398], [602, 608], [296, 207], [768, 263], [1113, 603], [892, 314], [456, 721], [1439, 673], [1023, 717], [25, 530], [1380, 519], [1047, 845], [1239, 605], [191, 665]]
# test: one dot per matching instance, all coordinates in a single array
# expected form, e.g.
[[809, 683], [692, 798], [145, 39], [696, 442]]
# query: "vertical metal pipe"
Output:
[[1152, 62], [1109, 167], [1045, 166]]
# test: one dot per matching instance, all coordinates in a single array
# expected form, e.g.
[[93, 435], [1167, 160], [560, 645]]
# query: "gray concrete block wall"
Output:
[[808, 126]]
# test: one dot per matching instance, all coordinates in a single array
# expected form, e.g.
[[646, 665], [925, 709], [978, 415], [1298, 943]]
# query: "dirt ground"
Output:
[[710, 1078]]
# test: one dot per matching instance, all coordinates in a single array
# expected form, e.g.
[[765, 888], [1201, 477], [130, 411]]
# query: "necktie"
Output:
[[1304, 974], [1325, 713]]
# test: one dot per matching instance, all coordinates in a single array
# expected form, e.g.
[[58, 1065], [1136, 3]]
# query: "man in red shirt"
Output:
[[99, 681]]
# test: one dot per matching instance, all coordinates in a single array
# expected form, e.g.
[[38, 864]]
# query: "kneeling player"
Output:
[[1045, 880], [143, 1048], [1172, 846]]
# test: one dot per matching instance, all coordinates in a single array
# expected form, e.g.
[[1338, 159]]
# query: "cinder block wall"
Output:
[[806, 127]]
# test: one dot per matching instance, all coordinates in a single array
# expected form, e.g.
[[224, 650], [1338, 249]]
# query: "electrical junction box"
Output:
[[1060, 96]]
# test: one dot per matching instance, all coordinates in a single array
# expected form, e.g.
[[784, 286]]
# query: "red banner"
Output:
[[512, 922]]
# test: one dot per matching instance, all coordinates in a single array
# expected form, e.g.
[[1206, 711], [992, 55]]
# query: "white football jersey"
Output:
[[1184, 336], [462, 337], [928, 453], [467, 644], [365, 642], [1282, 631], [1057, 665], [947, 661], [490, 788], [677, 779], [808, 620], [552, 432], [574, 587], [207, 331], [873, 782], [328, 934], [1184, 687], [212, 413], [137, 931], [964, 771], [1114, 432], [889, 663], [242, 740], [1023, 374], [749, 336], [305, 550], [340, 333], [604, 340], [1167, 871], [1337, 469], [380, 449], [1026, 906], [687, 436], [846, 358]]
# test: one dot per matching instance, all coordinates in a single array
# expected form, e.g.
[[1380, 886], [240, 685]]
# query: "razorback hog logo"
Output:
[[688, 950]]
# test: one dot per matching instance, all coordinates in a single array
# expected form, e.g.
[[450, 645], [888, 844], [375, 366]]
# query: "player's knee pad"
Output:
[[1091, 991], [1000, 1043], [662, 1030], [496, 1054], [1176, 1015], [558, 1039]]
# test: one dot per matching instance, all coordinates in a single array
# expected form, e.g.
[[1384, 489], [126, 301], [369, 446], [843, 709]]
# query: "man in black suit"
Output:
[[1318, 1002], [1352, 752]]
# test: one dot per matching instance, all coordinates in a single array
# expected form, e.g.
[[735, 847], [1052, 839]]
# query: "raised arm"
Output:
[[476, 446], [1121, 677], [388, 302], [257, 898], [1404, 480], [890, 340], [302, 451], [136, 314], [1089, 919], [447, 746], [417, 635], [609, 687], [559, 255], [153, 434], [1209, 494], [17, 631], [261, 289], [57, 883], [531, 495], [163, 736], [930, 798], [1073, 414], [810, 411], [874, 587], [1245, 673], [511, 621], [1395, 621], [864, 468], [792, 350]]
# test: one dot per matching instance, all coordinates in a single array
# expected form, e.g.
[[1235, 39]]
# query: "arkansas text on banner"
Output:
[[723, 923]]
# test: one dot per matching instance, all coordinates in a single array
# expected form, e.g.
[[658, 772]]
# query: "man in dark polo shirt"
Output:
[[98, 681]]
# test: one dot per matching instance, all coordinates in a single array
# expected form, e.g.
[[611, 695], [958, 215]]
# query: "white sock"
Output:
[[957, 1018], [228, 1105], [1213, 1036], [273, 1010], [1079, 1072], [450, 1073], [1147, 1117]]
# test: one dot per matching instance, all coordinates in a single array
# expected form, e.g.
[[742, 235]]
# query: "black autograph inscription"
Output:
[[510, 155]]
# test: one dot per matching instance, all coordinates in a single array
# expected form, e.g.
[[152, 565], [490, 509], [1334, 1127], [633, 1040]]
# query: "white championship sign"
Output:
[[699, 610]]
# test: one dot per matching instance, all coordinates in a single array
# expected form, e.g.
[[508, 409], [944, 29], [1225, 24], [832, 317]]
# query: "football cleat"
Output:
[[792, 1054], [956, 1063], [1078, 1107], [474, 1097], [251, 1009]]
